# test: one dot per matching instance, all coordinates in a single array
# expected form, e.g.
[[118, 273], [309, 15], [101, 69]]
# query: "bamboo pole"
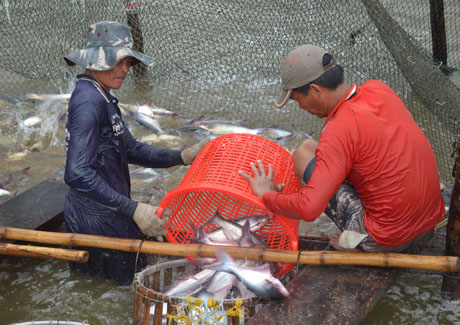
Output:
[[433, 263], [44, 252]]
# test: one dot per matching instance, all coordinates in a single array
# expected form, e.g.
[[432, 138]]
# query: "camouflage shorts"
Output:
[[346, 210]]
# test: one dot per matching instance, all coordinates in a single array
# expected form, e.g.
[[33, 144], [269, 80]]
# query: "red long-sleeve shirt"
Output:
[[371, 141]]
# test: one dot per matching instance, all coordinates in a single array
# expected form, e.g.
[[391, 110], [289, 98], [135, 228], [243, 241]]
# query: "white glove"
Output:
[[148, 222], [188, 155], [350, 239]]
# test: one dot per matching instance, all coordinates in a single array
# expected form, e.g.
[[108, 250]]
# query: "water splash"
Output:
[[7, 5]]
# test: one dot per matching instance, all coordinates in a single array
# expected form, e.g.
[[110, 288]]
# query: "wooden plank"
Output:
[[34, 207], [328, 295]]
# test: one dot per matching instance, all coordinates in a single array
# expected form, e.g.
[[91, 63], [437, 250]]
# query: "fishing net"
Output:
[[223, 58]]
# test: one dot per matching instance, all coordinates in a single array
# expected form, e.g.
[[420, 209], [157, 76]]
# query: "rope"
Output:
[[196, 311], [447, 275], [137, 257], [298, 259], [235, 311]]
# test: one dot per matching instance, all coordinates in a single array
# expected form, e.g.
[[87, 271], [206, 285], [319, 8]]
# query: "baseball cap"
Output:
[[302, 65]]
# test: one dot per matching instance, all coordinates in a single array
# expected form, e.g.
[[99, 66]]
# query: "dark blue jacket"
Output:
[[99, 149]]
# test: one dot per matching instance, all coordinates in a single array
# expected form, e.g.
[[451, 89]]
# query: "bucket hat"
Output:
[[108, 43], [302, 65]]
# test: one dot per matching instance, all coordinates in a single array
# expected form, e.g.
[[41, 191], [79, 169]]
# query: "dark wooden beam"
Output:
[[438, 31], [35, 207], [132, 14], [451, 283]]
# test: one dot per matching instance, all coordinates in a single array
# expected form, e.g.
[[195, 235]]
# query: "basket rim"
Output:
[[151, 294]]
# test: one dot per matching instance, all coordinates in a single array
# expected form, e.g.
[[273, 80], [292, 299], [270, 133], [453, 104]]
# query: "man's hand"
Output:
[[188, 155], [262, 182], [148, 222]]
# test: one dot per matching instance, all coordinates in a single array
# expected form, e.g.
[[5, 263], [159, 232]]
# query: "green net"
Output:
[[223, 58]]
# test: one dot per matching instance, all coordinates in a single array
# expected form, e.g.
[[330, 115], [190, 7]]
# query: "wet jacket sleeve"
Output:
[[149, 156], [84, 128], [334, 158]]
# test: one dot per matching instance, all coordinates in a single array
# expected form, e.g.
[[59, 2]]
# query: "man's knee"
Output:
[[302, 156]]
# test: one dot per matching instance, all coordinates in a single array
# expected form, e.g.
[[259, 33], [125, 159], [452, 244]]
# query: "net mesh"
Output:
[[223, 58]]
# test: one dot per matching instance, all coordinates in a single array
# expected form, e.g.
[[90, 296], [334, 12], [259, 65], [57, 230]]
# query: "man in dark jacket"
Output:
[[99, 149]]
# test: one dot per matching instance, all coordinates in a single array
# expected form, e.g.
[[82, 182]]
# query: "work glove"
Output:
[[188, 155], [148, 222], [351, 239]]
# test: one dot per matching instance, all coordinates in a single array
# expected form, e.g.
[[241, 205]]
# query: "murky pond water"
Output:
[[33, 289]]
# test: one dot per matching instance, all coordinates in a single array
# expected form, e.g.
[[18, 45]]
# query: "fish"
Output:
[[162, 137], [218, 286], [200, 136], [144, 120], [246, 240], [232, 230], [148, 109], [4, 192], [275, 132], [242, 291], [222, 128], [215, 237], [31, 121], [14, 99], [191, 284], [255, 222], [14, 156], [50, 97], [225, 128], [258, 279]]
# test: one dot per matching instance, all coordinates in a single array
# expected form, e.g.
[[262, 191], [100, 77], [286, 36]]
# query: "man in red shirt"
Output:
[[372, 171]]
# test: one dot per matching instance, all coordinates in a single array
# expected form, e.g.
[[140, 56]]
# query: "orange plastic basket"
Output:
[[213, 183]]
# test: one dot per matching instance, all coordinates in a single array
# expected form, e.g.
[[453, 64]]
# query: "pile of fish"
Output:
[[36, 122], [149, 116], [225, 278], [169, 129]]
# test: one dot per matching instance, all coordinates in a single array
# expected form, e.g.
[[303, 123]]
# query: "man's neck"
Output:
[[339, 92]]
